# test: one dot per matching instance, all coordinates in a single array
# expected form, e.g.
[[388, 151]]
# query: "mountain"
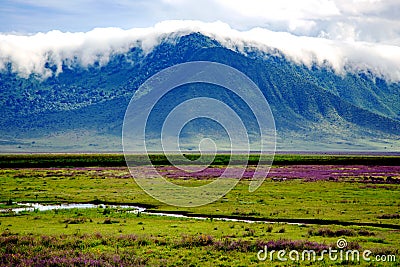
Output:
[[82, 109]]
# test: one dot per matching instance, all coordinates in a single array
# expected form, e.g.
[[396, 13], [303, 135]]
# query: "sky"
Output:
[[338, 31], [365, 20]]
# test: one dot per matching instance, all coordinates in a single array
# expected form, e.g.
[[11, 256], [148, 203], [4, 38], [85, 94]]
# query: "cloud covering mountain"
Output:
[[82, 109], [330, 68], [45, 53]]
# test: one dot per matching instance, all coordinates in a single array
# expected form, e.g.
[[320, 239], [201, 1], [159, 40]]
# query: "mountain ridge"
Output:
[[313, 107]]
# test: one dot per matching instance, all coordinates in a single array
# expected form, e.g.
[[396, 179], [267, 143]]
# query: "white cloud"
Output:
[[283, 9], [359, 20], [29, 53]]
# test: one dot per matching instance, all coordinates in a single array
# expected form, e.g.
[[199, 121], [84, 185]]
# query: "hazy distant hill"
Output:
[[83, 109]]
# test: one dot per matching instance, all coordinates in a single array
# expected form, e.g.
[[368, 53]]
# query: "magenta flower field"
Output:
[[361, 173]]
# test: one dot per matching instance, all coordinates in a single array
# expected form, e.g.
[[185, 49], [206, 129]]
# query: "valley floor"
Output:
[[301, 206]]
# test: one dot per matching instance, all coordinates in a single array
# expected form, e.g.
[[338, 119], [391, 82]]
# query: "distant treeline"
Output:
[[118, 160]]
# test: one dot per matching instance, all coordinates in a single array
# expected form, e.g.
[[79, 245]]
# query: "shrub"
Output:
[[389, 216], [107, 221], [326, 232], [281, 231]]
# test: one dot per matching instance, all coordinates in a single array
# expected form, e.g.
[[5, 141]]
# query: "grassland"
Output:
[[364, 212], [118, 160]]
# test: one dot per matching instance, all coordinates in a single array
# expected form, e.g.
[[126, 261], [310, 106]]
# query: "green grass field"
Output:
[[115, 160], [365, 214]]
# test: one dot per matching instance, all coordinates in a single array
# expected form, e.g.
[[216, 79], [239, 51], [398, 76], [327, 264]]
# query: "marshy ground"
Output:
[[305, 205]]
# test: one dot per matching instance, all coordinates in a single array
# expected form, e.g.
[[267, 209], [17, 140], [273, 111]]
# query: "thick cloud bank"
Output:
[[29, 54]]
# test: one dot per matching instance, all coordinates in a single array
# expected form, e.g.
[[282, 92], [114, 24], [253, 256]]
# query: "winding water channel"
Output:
[[30, 207]]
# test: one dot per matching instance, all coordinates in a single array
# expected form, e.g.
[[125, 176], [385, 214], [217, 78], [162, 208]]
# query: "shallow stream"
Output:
[[30, 207]]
